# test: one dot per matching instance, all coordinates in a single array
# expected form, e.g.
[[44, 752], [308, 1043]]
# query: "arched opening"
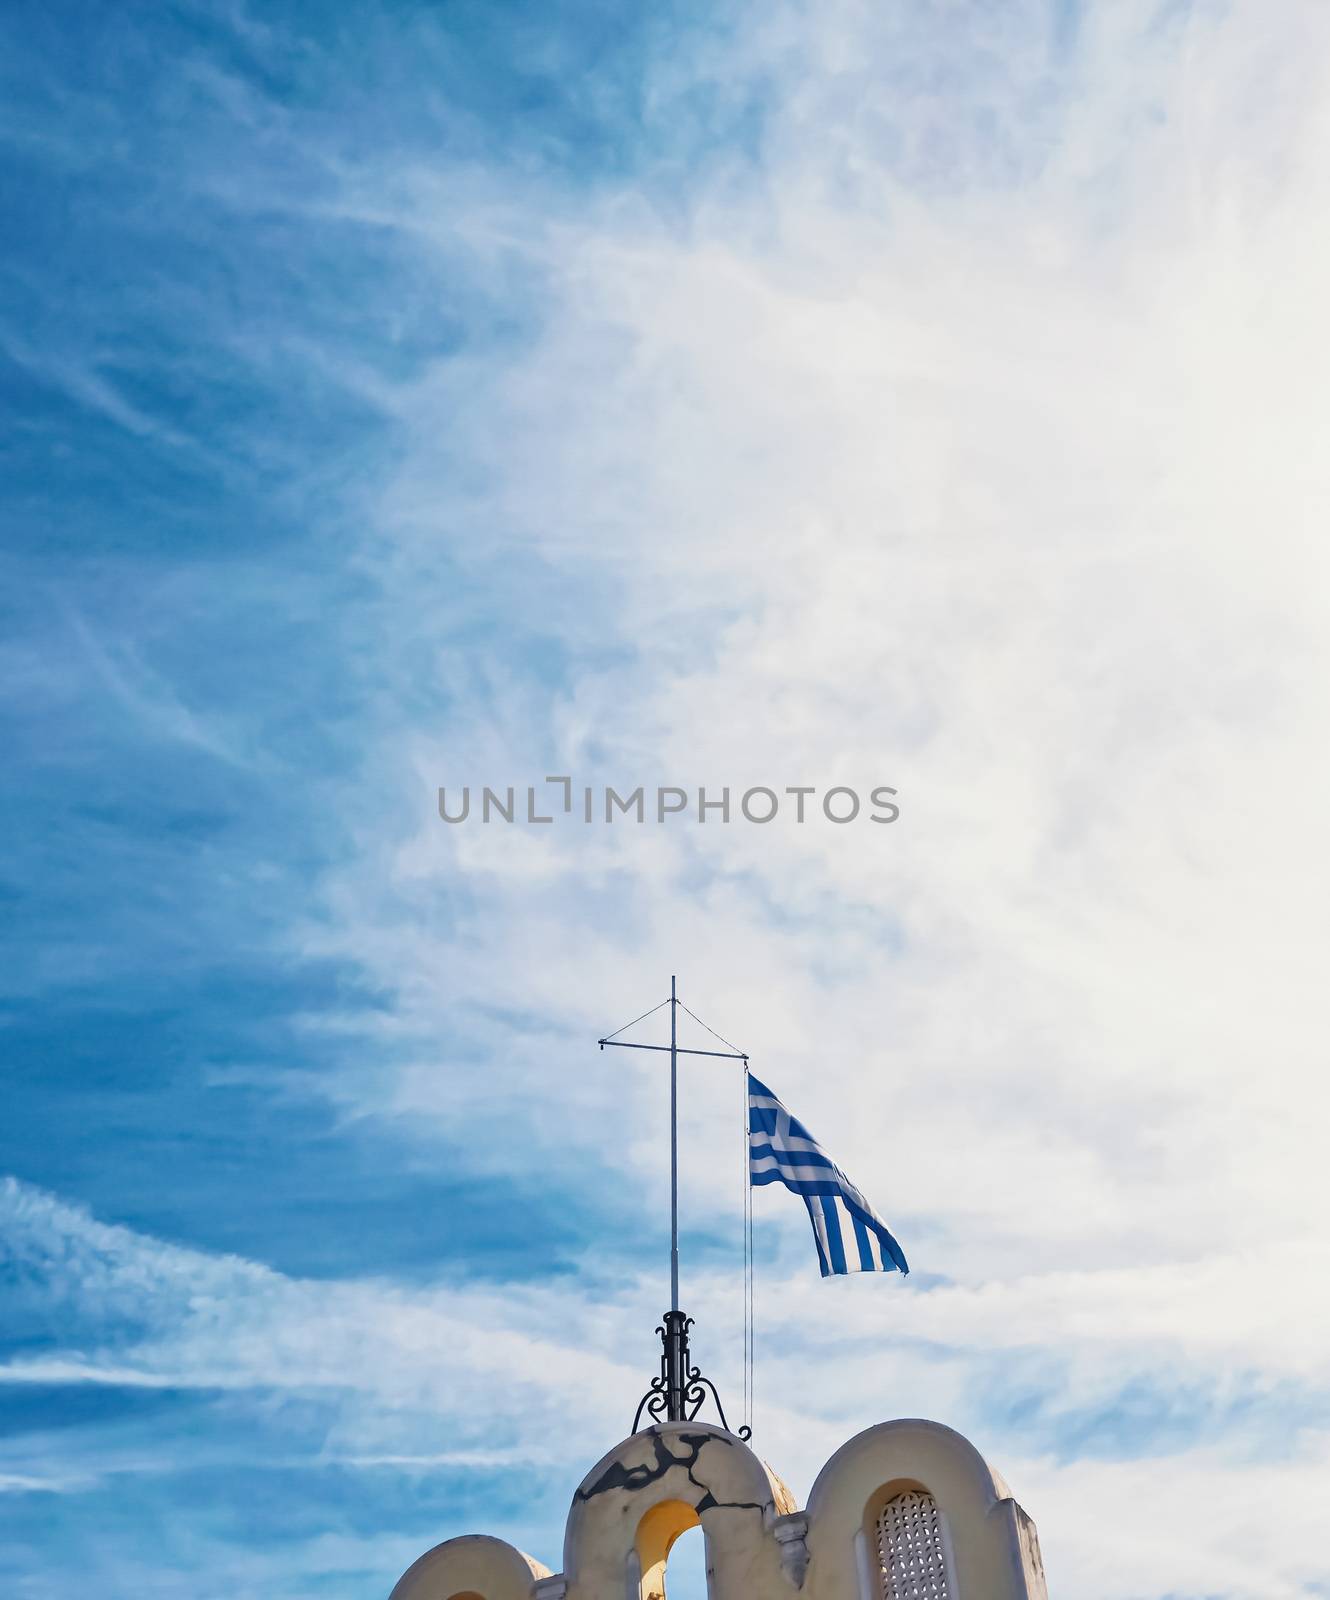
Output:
[[688, 1566], [909, 1544], [670, 1534]]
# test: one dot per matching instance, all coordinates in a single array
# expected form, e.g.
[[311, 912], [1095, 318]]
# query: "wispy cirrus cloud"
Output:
[[321, 1380]]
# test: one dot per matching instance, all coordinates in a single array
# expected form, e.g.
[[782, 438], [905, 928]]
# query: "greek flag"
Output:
[[850, 1235]]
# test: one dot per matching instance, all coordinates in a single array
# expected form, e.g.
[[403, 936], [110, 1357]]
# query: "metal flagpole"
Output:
[[674, 1146], [678, 1393]]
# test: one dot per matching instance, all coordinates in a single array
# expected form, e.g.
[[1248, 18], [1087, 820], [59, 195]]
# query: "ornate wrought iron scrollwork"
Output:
[[679, 1391]]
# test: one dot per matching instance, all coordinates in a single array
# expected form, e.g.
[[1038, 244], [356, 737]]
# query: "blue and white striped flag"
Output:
[[850, 1235]]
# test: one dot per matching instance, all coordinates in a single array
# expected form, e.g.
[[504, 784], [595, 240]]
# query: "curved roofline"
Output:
[[772, 1491], [504, 1550], [667, 1430], [989, 1480]]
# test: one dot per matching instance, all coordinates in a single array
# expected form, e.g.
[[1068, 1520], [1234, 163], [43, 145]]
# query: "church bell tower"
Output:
[[906, 1510]]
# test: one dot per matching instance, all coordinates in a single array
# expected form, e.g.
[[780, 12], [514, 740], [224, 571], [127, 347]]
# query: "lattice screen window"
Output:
[[909, 1548]]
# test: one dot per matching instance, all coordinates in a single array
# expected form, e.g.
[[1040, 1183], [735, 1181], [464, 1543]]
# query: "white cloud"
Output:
[[988, 468], [969, 440]]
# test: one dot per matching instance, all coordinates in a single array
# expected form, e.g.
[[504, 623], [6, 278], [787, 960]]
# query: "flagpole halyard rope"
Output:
[[748, 1262], [710, 1030], [752, 1292], [642, 1018], [744, 1246]]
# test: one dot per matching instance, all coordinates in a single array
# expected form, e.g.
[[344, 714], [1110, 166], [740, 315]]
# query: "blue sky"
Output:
[[401, 395]]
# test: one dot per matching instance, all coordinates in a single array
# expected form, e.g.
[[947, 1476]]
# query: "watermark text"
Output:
[[560, 798]]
